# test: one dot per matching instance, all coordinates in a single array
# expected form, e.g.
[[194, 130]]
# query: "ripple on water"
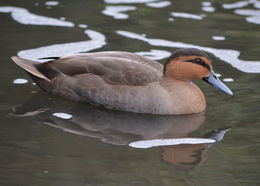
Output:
[[187, 15], [155, 54], [165, 142], [23, 16], [97, 40], [62, 115], [254, 15], [218, 38], [160, 4], [128, 1], [20, 81], [52, 3], [227, 55], [117, 11]]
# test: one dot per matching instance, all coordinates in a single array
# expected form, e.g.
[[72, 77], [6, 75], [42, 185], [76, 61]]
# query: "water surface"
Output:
[[45, 140]]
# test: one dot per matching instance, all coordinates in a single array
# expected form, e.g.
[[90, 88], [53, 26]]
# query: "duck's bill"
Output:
[[215, 81]]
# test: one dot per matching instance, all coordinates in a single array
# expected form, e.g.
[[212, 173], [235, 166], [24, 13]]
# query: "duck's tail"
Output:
[[30, 67]]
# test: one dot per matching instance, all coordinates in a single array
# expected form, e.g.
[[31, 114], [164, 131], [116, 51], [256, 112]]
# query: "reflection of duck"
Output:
[[128, 82], [190, 156], [122, 128]]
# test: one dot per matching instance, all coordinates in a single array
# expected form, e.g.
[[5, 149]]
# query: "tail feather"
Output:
[[29, 66]]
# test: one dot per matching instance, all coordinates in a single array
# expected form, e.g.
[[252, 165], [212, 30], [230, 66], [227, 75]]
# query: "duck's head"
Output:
[[193, 64]]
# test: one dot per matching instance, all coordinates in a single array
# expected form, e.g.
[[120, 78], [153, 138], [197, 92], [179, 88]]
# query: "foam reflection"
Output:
[[23, 16], [97, 40], [227, 55], [116, 11]]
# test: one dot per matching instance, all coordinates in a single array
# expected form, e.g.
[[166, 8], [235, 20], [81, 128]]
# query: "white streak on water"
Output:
[[62, 115], [128, 1], [239, 4], [116, 11], [160, 4], [254, 15], [52, 3], [97, 40], [82, 26], [187, 15], [208, 9], [23, 16], [228, 79], [257, 5], [20, 81], [227, 55], [206, 3], [155, 54], [218, 38], [166, 142]]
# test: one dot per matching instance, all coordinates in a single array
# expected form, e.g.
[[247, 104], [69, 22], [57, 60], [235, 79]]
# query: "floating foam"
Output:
[[23, 16], [228, 79], [239, 4], [52, 3], [82, 26], [187, 15], [227, 55], [208, 9], [128, 1], [170, 19], [20, 81], [254, 15], [97, 40], [218, 38], [160, 4], [166, 142], [257, 5], [62, 115], [116, 11], [155, 54], [206, 3]]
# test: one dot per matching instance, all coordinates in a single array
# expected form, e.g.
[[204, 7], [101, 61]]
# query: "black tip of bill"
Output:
[[216, 82]]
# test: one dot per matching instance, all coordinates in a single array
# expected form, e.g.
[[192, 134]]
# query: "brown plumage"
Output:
[[125, 81]]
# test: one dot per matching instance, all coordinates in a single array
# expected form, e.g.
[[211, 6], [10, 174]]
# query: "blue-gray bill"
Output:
[[215, 81]]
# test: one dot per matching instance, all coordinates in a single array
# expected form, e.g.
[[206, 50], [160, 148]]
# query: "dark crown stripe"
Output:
[[198, 61]]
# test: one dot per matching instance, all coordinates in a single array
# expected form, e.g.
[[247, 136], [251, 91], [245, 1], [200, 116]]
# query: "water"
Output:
[[45, 140]]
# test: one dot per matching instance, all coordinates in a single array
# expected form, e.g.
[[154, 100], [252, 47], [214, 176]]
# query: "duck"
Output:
[[128, 82]]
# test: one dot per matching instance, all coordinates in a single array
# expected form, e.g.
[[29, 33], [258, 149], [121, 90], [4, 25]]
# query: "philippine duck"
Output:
[[128, 82]]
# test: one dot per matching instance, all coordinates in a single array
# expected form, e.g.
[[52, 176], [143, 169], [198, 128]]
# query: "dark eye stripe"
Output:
[[199, 62]]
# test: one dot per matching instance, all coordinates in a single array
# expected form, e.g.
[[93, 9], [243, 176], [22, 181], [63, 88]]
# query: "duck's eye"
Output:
[[198, 60]]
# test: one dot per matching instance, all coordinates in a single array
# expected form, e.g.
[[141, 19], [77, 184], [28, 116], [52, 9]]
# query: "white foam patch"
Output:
[[166, 142], [170, 19], [52, 3], [23, 16], [187, 15], [97, 40], [254, 15], [257, 5], [20, 81], [239, 4], [206, 3], [227, 55], [218, 38], [208, 9], [218, 75], [117, 11], [82, 26], [228, 79], [128, 1], [62, 115], [155, 54], [160, 4]]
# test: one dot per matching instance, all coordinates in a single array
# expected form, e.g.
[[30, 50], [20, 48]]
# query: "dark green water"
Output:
[[37, 148]]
